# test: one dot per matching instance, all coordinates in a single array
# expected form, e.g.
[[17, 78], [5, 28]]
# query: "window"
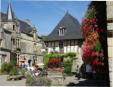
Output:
[[61, 45], [61, 31], [13, 27], [46, 44], [13, 41]]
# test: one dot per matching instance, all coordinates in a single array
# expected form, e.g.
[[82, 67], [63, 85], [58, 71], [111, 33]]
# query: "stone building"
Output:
[[109, 13], [18, 40], [66, 37]]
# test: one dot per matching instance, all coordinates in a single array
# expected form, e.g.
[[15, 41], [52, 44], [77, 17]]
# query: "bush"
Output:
[[46, 59], [71, 54], [67, 67], [53, 63], [11, 65], [23, 71], [44, 81], [30, 81], [14, 71], [4, 67], [49, 56]]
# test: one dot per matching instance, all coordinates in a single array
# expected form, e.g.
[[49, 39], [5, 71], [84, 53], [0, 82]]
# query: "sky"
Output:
[[45, 15]]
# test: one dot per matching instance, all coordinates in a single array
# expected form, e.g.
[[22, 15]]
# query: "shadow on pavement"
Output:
[[90, 83]]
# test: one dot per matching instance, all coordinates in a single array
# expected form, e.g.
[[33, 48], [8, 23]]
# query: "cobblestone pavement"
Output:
[[4, 82], [69, 81]]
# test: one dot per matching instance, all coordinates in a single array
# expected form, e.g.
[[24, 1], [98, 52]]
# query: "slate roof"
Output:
[[24, 27], [72, 31]]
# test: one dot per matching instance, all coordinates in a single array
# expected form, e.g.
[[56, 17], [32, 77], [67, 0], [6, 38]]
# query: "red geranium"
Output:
[[54, 62]]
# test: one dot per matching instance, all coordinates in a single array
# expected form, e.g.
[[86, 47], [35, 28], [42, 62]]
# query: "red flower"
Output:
[[102, 58], [102, 64], [93, 43], [101, 54], [94, 53], [87, 55], [91, 47], [83, 20], [86, 25], [88, 50], [87, 44], [96, 61]]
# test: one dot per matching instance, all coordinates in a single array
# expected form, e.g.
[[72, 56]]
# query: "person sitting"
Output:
[[36, 68], [37, 73]]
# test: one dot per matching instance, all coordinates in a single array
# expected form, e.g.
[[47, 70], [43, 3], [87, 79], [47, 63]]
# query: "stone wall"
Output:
[[110, 39], [29, 47], [7, 58]]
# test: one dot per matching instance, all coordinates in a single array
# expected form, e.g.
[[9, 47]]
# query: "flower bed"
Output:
[[54, 62], [56, 69]]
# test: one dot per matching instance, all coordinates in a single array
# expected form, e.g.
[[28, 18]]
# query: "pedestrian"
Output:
[[88, 71], [20, 67]]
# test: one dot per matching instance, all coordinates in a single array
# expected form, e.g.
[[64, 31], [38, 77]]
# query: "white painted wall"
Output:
[[67, 48]]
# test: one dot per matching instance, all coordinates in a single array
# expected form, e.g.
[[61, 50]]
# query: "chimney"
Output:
[[27, 21]]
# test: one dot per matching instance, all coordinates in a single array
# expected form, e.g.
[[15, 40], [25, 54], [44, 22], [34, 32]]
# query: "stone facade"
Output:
[[110, 39], [18, 40]]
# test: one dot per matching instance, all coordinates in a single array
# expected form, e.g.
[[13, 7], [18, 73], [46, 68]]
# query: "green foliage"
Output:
[[11, 65], [14, 71], [91, 13], [54, 55], [4, 67], [46, 59], [44, 81], [67, 67], [48, 56], [30, 81], [71, 54], [23, 71]]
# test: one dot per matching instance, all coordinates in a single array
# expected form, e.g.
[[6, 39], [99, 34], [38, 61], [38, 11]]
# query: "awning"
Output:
[[21, 60]]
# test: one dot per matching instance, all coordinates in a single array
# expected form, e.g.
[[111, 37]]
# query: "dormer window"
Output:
[[61, 31]]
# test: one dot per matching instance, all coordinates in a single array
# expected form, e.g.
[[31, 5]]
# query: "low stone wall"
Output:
[[56, 77]]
